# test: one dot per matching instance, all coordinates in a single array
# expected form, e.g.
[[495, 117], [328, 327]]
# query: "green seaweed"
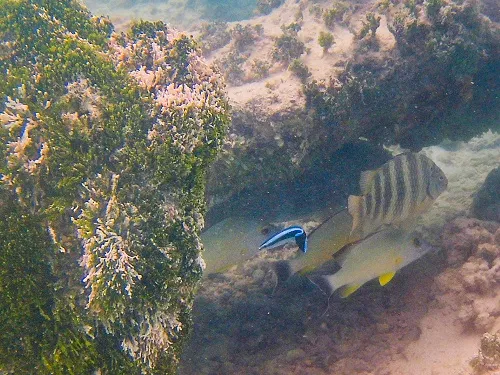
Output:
[[85, 150]]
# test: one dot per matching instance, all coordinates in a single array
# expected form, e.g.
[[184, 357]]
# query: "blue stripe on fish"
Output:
[[293, 232]]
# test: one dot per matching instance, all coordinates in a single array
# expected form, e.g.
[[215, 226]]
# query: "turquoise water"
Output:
[[176, 12]]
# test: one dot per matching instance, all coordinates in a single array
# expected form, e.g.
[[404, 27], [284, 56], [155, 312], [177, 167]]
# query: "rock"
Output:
[[486, 204], [462, 236], [106, 176]]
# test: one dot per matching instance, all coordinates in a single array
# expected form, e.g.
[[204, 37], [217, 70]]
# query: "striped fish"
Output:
[[323, 241], [295, 233], [395, 193]]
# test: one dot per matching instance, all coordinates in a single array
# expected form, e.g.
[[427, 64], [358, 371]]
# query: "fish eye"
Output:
[[441, 178], [265, 231], [417, 242]]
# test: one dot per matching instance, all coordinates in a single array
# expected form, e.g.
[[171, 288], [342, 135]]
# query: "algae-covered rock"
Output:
[[105, 142], [438, 80]]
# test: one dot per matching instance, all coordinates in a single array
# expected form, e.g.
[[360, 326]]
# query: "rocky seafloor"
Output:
[[442, 304], [440, 315]]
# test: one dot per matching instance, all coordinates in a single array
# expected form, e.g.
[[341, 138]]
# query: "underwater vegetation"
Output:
[[441, 70], [105, 143], [299, 69], [214, 35], [335, 13], [287, 47], [325, 40], [242, 38]]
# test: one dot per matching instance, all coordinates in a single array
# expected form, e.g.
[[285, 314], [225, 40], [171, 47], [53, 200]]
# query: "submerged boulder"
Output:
[[105, 143], [486, 204]]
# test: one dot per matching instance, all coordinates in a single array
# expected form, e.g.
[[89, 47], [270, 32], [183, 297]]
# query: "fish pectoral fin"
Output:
[[301, 241], [355, 207], [348, 289], [385, 278], [366, 180]]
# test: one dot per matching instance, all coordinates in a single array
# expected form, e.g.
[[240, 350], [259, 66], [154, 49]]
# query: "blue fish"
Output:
[[287, 234]]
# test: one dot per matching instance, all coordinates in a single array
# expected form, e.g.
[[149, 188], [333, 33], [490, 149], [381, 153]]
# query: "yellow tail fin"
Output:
[[385, 278], [348, 289]]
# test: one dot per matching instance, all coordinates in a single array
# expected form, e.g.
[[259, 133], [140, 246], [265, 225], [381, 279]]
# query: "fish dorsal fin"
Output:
[[366, 180], [348, 289], [385, 278], [341, 255], [355, 207]]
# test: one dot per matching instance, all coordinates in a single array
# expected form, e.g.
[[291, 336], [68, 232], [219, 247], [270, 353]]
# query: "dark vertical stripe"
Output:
[[361, 207], [400, 186], [377, 196], [426, 170], [387, 197], [413, 167], [368, 204]]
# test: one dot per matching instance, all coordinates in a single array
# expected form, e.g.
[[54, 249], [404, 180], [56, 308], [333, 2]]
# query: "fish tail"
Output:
[[325, 283], [356, 209], [283, 270]]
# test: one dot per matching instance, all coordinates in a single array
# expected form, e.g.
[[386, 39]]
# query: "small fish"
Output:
[[380, 255], [396, 193], [325, 240], [291, 233], [232, 241]]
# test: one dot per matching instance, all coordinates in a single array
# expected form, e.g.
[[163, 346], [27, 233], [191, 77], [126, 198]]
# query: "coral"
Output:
[[325, 40], [488, 358], [371, 25], [243, 36], [299, 69], [472, 247], [335, 13], [486, 204], [287, 46], [455, 54], [462, 237], [214, 35], [106, 139]]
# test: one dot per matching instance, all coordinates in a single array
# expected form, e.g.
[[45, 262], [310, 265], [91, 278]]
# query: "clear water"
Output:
[[178, 13]]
